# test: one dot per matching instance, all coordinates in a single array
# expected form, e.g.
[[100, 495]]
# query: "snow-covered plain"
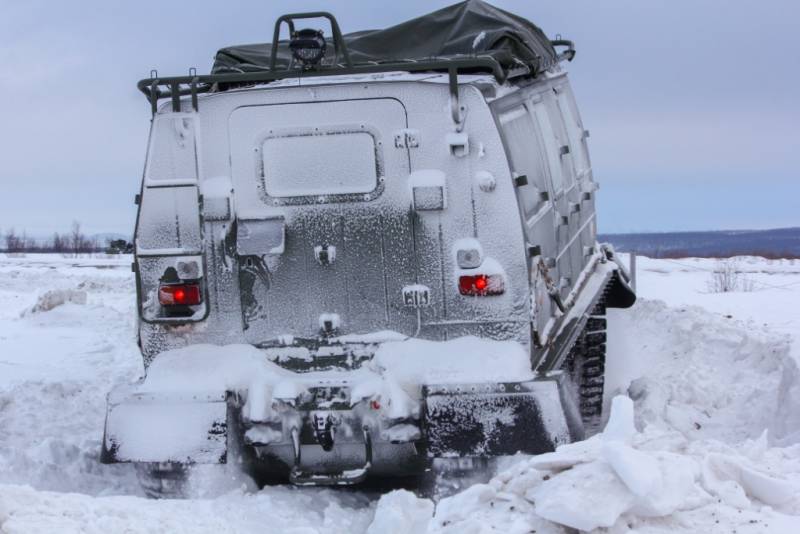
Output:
[[706, 440]]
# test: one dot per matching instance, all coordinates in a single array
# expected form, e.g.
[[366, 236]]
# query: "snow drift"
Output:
[[686, 449], [622, 477]]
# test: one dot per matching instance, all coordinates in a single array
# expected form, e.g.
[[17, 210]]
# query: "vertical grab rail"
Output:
[[338, 40]]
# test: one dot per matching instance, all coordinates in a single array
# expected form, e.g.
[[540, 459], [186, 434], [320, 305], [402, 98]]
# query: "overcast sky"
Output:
[[692, 104]]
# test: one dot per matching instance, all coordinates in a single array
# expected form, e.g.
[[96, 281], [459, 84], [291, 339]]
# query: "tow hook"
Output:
[[324, 424]]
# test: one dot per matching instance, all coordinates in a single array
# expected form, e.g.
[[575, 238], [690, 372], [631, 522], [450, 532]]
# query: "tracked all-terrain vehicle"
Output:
[[360, 253]]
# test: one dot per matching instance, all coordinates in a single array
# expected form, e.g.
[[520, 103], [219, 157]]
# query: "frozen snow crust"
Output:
[[393, 377], [211, 368], [695, 382]]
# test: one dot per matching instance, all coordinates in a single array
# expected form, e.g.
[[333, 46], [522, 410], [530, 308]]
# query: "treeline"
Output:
[[72, 242]]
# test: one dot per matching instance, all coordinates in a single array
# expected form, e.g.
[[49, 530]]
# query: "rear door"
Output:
[[330, 178]]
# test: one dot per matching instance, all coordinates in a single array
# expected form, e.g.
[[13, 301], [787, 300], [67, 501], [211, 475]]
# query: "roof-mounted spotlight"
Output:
[[308, 46]]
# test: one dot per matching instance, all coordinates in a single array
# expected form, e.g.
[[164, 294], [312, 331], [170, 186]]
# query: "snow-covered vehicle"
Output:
[[359, 254]]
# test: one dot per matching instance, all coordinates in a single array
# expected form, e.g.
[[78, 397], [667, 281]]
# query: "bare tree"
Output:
[[72, 242], [28, 244], [59, 243], [76, 238], [14, 242]]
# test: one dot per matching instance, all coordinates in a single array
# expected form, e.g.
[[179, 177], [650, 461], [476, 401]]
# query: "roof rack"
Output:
[[156, 88]]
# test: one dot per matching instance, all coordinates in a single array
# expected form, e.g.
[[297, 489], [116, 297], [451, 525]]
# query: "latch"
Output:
[[325, 254], [406, 138], [417, 296]]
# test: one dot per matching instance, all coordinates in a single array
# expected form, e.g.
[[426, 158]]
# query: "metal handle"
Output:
[[338, 41]]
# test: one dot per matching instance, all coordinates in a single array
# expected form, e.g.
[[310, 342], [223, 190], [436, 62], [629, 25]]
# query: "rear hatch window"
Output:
[[313, 162]]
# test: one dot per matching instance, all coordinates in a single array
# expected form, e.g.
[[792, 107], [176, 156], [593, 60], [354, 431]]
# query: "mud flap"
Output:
[[619, 293], [497, 419], [151, 427]]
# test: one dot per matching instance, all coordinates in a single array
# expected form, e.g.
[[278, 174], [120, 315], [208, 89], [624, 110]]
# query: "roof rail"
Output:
[[173, 88], [156, 88]]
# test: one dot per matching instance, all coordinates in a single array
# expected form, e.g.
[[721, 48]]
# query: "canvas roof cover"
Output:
[[467, 29]]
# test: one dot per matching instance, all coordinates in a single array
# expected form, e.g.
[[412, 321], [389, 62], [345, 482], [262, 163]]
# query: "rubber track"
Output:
[[586, 364]]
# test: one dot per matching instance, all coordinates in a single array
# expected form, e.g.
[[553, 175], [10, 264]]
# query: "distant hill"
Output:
[[777, 243]]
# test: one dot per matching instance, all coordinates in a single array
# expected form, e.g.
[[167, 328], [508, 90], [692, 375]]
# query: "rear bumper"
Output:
[[341, 444]]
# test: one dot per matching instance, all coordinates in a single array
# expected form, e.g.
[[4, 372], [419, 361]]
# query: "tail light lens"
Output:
[[180, 295], [481, 285]]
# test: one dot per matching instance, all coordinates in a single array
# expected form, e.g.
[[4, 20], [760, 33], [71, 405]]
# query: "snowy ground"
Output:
[[713, 378]]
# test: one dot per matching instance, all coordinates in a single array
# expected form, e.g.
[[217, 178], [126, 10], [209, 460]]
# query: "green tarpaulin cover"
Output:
[[462, 30]]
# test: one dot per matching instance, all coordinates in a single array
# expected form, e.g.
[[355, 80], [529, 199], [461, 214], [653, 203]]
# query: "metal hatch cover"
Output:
[[371, 232]]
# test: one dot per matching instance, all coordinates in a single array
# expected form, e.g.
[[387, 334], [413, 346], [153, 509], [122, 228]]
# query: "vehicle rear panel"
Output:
[[383, 242]]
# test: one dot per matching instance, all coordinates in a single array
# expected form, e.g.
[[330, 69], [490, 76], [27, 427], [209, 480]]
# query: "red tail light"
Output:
[[180, 295], [481, 285]]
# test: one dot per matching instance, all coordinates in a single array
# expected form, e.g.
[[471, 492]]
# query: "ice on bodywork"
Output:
[[218, 199], [183, 397], [209, 368]]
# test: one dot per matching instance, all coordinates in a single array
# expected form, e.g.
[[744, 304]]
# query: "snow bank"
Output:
[[703, 375], [706, 383], [786, 423], [281, 509], [401, 512], [620, 477], [58, 297], [772, 303]]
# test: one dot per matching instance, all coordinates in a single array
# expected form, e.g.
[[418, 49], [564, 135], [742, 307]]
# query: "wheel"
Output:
[[586, 364], [163, 480]]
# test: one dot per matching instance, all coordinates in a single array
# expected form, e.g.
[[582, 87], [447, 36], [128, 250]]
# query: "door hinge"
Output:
[[406, 138]]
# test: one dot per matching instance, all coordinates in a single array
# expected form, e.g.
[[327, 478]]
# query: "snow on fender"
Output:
[[183, 428]]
